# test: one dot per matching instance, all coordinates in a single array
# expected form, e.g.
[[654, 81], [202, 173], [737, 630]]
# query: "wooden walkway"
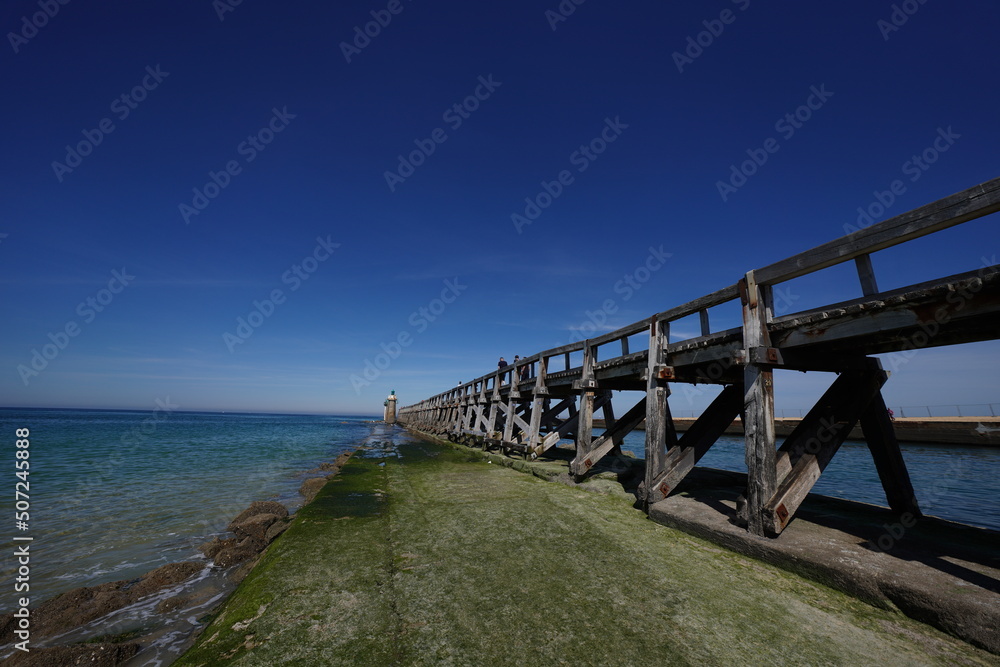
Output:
[[554, 394]]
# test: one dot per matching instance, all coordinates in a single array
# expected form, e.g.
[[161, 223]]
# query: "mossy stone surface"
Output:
[[420, 554]]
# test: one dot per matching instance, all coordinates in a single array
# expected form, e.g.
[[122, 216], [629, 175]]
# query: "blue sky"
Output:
[[209, 157]]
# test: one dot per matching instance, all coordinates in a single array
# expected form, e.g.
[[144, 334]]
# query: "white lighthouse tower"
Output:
[[390, 408]]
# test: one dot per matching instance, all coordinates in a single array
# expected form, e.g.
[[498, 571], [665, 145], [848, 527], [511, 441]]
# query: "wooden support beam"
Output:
[[567, 427], [491, 424], [469, 408], [612, 437], [584, 431], [513, 421], [508, 410], [550, 415], [706, 330], [700, 436], [455, 424], [608, 411], [809, 447], [881, 437], [660, 433], [585, 421], [758, 407], [540, 395], [482, 419]]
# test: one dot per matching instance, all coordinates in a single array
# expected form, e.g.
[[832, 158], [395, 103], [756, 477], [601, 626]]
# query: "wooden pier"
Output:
[[528, 407]]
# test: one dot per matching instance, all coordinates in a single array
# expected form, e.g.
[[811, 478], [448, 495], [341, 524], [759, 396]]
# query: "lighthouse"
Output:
[[390, 408]]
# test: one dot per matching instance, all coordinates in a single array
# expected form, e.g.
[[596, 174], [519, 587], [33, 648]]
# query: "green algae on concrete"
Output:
[[422, 554]]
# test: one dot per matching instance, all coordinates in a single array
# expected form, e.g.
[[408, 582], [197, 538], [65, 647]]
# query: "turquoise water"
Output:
[[952, 482], [115, 494]]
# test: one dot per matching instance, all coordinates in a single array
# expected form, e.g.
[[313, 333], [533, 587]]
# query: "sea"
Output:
[[951, 482], [114, 494]]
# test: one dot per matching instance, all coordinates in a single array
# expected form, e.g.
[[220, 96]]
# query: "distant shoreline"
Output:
[[973, 431]]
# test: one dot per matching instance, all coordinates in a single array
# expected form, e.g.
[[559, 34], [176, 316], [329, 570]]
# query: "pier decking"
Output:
[[529, 407]]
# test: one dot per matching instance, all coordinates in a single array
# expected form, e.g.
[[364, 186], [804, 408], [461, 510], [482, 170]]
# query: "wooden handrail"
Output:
[[975, 202]]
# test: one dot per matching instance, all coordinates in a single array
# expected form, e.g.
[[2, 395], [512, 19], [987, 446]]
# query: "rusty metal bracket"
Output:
[[664, 372], [781, 512], [768, 356]]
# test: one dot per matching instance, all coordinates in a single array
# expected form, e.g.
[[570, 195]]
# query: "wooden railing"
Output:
[[744, 358]]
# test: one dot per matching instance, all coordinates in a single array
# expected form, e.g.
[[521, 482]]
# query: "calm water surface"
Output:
[[116, 494], [952, 482]]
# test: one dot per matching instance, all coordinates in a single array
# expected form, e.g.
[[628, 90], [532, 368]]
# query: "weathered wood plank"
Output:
[[585, 420], [897, 294], [657, 411], [540, 394], [866, 274], [881, 438], [961, 207], [613, 436], [584, 431], [699, 438], [810, 446], [550, 415], [758, 408]]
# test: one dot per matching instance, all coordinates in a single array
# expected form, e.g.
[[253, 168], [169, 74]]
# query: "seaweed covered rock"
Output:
[[255, 527], [82, 605], [259, 507], [311, 487], [93, 655]]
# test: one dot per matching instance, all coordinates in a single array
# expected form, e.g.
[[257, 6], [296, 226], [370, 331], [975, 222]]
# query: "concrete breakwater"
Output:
[[425, 552], [983, 431]]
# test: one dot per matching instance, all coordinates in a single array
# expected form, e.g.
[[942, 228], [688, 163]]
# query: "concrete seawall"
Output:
[[981, 431]]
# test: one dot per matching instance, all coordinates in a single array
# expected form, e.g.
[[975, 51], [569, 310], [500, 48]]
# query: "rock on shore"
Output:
[[92, 655], [83, 605]]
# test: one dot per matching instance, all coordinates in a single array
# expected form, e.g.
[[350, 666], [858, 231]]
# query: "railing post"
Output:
[[541, 393], [481, 402], [513, 397], [587, 386], [491, 427], [706, 327], [459, 411], [658, 421], [866, 274], [469, 411], [758, 404]]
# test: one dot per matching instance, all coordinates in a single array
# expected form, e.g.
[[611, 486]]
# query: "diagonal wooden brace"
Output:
[[611, 438], [810, 446], [881, 437], [567, 426], [701, 435]]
